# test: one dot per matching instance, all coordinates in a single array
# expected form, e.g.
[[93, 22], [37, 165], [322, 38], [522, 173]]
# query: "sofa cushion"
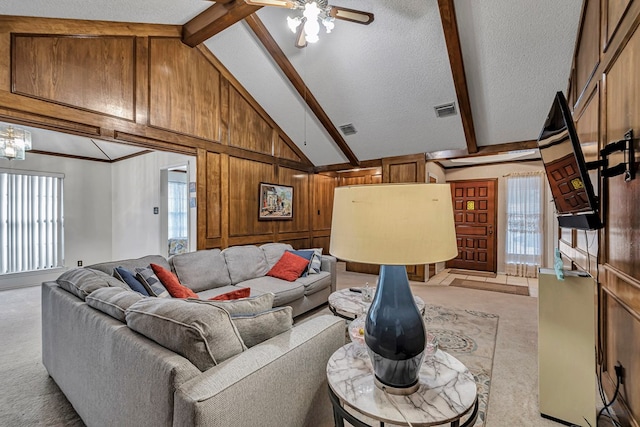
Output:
[[289, 267], [315, 282], [273, 252], [125, 276], [201, 270], [131, 264], [259, 327], [172, 284], [203, 333], [210, 293], [82, 281], [151, 282], [113, 301], [245, 262], [284, 292], [249, 305], [231, 295]]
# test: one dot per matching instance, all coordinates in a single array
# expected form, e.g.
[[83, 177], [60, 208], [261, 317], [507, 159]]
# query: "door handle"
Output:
[[490, 229]]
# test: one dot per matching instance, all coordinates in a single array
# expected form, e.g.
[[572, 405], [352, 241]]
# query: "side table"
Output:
[[347, 304], [447, 392]]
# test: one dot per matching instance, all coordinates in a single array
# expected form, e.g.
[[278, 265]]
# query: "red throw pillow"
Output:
[[171, 282], [240, 293], [289, 267]]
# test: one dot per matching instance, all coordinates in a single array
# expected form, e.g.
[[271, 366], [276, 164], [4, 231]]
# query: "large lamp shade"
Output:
[[394, 225]]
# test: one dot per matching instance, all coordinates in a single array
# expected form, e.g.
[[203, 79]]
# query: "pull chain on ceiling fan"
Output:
[[314, 12]]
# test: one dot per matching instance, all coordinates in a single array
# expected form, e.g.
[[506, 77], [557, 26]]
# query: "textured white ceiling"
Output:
[[386, 77], [517, 55], [145, 11]]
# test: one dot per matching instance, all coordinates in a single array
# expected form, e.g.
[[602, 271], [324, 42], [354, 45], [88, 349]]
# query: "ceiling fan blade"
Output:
[[277, 3], [301, 40], [351, 15]]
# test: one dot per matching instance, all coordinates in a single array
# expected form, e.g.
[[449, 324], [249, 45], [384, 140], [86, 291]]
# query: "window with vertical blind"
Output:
[[31, 221]]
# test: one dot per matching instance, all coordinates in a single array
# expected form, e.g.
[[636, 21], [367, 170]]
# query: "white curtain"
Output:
[[30, 221], [524, 224], [178, 210]]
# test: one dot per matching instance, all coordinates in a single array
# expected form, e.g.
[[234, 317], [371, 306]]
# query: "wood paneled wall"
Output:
[[138, 84], [605, 92]]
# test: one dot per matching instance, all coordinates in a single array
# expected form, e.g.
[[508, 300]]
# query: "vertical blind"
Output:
[[31, 221]]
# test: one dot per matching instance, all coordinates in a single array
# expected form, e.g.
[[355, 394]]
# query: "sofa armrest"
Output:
[[280, 382], [329, 264]]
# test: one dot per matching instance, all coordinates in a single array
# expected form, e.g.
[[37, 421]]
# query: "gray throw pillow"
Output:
[[82, 281], [256, 328], [113, 301], [316, 261], [152, 284], [202, 333], [249, 305]]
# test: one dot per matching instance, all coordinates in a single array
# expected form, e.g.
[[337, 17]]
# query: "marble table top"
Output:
[[350, 304], [447, 389]]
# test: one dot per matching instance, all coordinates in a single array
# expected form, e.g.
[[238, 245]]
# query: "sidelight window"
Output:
[[524, 224]]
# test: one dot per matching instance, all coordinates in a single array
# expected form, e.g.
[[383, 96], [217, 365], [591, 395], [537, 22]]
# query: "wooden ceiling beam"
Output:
[[213, 20], [452, 38], [486, 150], [290, 72]]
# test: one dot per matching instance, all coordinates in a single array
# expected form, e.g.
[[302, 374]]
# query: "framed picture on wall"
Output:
[[275, 202]]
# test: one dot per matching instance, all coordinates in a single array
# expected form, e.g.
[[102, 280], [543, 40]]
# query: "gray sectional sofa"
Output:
[[115, 376]]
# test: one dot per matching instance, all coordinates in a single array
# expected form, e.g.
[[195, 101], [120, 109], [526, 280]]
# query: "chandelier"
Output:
[[313, 13], [14, 142]]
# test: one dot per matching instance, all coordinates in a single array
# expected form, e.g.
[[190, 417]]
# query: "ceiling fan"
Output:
[[314, 12]]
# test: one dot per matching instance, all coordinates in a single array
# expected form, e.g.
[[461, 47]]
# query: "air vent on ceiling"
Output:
[[348, 129], [445, 110]]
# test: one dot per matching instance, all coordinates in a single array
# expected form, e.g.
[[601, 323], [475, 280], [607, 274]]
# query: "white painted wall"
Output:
[[499, 172], [136, 191], [87, 212]]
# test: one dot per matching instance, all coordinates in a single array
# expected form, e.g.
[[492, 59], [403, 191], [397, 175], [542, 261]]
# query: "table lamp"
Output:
[[394, 225]]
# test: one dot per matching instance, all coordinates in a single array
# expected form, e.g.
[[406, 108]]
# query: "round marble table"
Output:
[[447, 391], [348, 304]]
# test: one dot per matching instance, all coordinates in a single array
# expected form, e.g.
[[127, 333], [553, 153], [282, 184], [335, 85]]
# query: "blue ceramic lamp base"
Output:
[[394, 333]]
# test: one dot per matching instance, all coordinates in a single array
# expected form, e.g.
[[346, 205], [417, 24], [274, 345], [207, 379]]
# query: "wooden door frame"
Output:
[[494, 264]]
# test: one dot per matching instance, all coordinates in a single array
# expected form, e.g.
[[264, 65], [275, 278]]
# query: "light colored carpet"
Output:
[[489, 286], [30, 398]]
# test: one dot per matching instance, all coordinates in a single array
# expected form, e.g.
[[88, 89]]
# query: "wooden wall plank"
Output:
[[184, 91], [73, 70], [245, 177], [247, 128], [588, 53], [301, 201]]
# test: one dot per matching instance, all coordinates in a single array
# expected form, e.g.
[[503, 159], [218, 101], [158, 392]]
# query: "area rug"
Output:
[[472, 273], [489, 286], [469, 336]]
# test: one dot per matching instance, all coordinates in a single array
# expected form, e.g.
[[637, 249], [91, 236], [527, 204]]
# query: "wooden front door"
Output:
[[474, 207]]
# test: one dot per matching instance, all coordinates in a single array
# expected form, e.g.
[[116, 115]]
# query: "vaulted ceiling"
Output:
[[499, 61]]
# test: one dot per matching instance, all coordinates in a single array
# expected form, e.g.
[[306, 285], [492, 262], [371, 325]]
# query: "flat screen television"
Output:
[[565, 167]]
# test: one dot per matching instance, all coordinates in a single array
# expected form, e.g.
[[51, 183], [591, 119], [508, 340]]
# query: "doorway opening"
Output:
[[174, 219]]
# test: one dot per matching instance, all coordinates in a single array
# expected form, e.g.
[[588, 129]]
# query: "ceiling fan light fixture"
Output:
[[329, 24], [293, 23], [311, 26]]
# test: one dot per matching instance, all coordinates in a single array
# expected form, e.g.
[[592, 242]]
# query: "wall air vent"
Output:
[[445, 110], [348, 129]]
